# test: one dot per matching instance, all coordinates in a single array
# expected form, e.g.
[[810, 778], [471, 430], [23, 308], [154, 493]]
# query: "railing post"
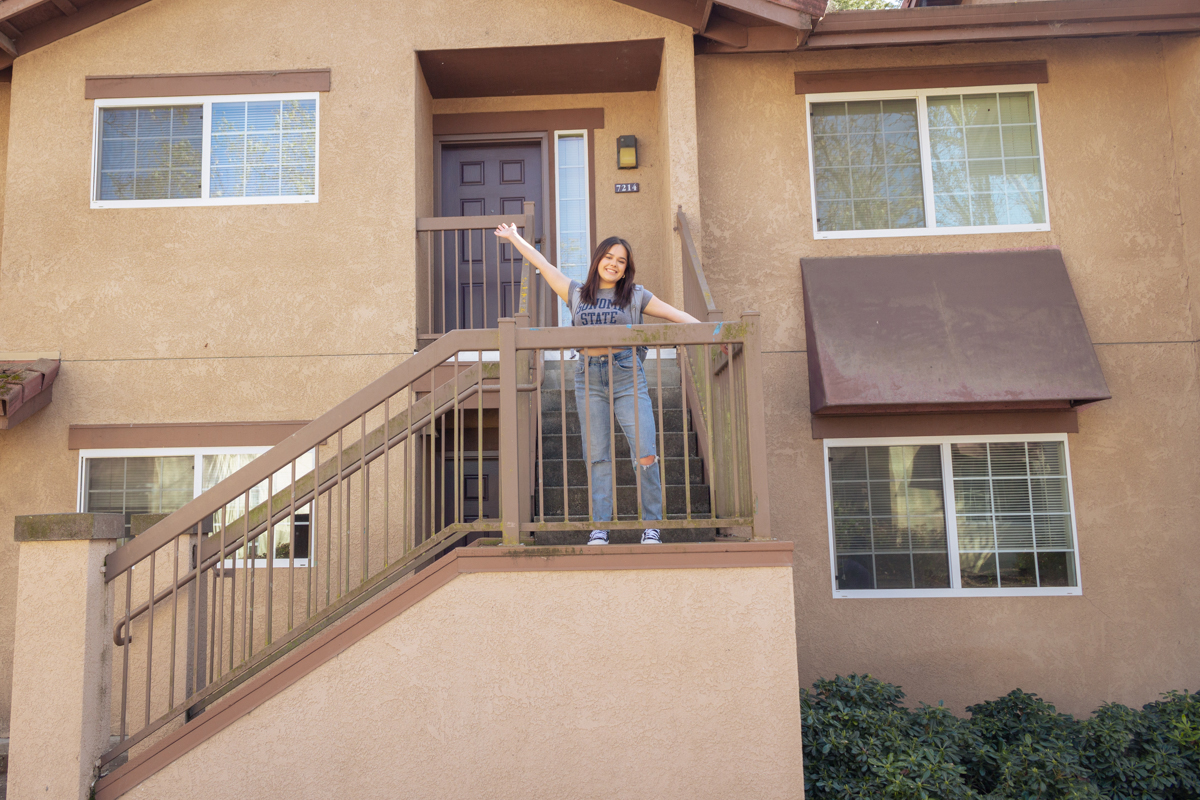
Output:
[[534, 289], [510, 483], [63, 658], [756, 427], [525, 433]]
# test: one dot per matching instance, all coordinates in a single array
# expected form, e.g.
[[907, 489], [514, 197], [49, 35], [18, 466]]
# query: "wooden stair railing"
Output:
[[202, 600]]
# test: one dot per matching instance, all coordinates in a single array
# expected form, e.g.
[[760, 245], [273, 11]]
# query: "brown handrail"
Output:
[[207, 627], [697, 299], [451, 249]]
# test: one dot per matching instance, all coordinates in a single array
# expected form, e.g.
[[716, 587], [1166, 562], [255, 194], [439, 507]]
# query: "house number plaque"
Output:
[[623, 188]]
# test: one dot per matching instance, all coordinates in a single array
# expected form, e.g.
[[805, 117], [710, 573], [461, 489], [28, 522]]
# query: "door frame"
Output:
[[545, 140]]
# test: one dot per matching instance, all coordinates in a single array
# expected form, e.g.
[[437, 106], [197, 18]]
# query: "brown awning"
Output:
[[997, 331]]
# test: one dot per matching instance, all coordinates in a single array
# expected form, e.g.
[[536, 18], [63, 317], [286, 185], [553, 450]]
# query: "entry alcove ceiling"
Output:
[[583, 68]]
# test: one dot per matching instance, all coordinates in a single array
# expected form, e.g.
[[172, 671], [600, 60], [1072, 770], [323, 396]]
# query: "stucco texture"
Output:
[[266, 312], [626, 684], [61, 669], [1115, 151]]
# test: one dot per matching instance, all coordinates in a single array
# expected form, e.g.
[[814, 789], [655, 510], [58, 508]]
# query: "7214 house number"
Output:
[[623, 188]]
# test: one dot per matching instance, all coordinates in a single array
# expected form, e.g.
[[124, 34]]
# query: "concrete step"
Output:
[[668, 535], [673, 420], [552, 471], [552, 401], [674, 500], [672, 446]]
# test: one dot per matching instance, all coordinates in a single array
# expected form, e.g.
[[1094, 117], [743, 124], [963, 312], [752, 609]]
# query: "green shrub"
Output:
[[861, 742]]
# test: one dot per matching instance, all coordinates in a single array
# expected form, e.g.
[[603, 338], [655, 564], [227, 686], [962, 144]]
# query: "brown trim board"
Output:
[[404, 595], [487, 122], [206, 83], [186, 434], [933, 77], [981, 424], [57, 28]]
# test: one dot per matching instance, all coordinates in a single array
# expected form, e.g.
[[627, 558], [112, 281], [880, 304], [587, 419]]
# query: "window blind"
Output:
[[151, 153]]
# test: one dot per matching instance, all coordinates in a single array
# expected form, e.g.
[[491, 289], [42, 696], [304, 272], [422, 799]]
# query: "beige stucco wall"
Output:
[[627, 684], [233, 313], [1116, 153]]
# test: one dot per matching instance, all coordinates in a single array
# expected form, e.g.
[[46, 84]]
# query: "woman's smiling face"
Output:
[[612, 266]]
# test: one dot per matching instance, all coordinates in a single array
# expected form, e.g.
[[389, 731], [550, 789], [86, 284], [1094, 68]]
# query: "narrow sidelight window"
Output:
[[924, 162], [954, 516]]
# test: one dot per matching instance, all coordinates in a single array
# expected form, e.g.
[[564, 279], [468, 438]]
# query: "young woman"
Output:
[[606, 298]]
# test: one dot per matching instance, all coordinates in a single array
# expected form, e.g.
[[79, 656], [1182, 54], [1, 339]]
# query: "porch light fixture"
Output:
[[627, 152]]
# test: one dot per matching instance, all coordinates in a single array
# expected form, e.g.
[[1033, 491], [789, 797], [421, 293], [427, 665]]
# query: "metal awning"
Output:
[[999, 331]]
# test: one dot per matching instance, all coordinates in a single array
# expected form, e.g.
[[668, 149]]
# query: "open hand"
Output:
[[509, 232]]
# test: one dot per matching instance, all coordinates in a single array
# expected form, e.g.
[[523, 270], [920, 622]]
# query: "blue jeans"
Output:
[[629, 391]]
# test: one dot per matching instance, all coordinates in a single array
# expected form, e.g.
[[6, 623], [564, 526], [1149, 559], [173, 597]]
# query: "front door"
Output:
[[482, 280]]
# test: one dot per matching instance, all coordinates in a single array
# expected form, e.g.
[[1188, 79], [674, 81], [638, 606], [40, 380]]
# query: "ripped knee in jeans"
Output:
[[648, 461]]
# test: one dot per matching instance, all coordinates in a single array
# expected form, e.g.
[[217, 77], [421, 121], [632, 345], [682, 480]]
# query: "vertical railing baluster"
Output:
[[612, 439], [636, 446], [341, 503], [510, 521], [125, 655], [150, 639], [458, 516], [714, 481], [174, 624], [538, 427], [247, 586], [662, 421], [562, 407], [479, 439], [387, 484], [684, 362], [291, 598], [364, 480], [585, 436], [410, 466], [270, 559], [220, 609], [197, 634]]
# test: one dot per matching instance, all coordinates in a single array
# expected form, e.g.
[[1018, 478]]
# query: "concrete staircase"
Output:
[[678, 448]]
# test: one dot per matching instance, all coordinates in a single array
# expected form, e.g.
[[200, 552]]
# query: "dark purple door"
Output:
[[481, 280]]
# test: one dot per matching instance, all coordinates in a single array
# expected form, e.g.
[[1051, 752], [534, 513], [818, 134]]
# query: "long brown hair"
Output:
[[623, 293]]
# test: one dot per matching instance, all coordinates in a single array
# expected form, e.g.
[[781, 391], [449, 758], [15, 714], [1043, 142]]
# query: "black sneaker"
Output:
[[650, 536], [598, 537]]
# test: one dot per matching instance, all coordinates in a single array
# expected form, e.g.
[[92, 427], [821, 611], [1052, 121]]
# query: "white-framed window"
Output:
[[951, 516], [199, 151], [926, 162], [571, 209], [161, 480]]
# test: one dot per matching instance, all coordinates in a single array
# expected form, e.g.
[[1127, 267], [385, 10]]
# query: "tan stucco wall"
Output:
[[232, 313], [1114, 204], [629, 684]]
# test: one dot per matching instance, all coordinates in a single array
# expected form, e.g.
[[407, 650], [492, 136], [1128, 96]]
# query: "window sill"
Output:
[[861, 594], [215, 201], [260, 563], [891, 233]]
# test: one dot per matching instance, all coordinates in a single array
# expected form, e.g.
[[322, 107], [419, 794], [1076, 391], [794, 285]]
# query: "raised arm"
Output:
[[559, 282], [657, 308]]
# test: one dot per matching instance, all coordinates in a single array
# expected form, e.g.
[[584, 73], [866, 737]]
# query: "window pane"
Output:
[[573, 224], [867, 165], [1012, 505], [263, 148], [889, 517], [150, 153], [987, 145], [140, 485]]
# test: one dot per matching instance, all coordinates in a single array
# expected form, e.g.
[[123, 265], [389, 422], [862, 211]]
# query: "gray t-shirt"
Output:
[[603, 312]]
